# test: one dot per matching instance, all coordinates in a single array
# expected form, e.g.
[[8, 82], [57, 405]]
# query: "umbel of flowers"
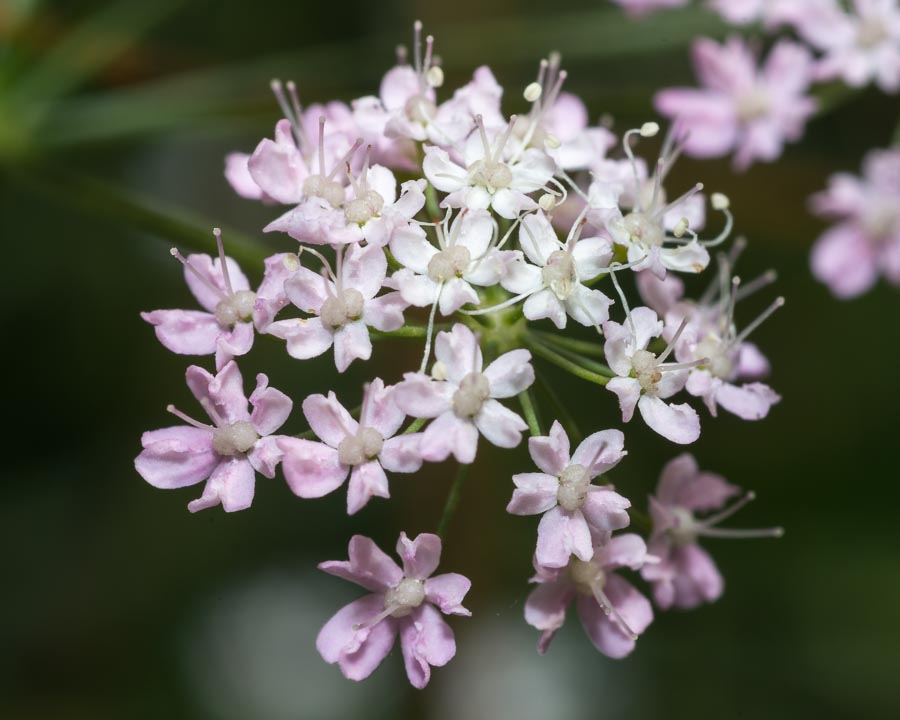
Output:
[[500, 243]]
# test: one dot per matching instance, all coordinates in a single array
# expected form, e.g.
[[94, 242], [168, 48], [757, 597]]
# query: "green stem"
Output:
[[639, 520], [584, 362], [534, 425], [565, 417], [415, 426], [431, 202], [584, 347], [452, 500], [409, 332], [566, 364]]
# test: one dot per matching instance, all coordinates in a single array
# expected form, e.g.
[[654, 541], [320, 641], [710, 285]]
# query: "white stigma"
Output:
[[646, 370], [559, 274], [236, 308], [362, 209], [449, 263], [234, 439], [358, 449], [573, 487]]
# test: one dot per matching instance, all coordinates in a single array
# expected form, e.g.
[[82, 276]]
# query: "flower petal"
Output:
[[311, 469]]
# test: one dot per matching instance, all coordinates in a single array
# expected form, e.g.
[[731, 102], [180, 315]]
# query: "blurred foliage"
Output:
[[114, 119]]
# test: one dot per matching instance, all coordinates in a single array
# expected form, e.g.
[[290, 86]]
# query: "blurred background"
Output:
[[114, 121]]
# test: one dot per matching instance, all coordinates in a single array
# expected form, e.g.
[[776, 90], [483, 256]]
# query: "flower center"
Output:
[[646, 370], [871, 32], [330, 191], [362, 209], [449, 263], [360, 448], [753, 105], [573, 487], [406, 596], [881, 220], [492, 174], [420, 109], [236, 308], [473, 391], [340, 309], [559, 274], [586, 576], [643, 229], [234, 439], [684, 530], [720, 354], [646, 195]]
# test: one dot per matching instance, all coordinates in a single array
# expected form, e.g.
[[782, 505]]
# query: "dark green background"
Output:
[[117, 603]]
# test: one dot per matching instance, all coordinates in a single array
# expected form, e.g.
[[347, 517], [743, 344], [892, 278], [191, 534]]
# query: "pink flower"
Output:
[[860, 46], [576, 514], [686, 575], [225, 329], [363, 450], [850, 256], [644, 7], [751, 111], [489, 176], [343, 308], [645, 380], [465, 256], [462, 398], [408, 602], [613, 613], [554, 284], [227, 454], [770, 12]]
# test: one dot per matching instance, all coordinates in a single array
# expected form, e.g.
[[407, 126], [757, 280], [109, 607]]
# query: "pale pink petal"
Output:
[[500, 425], [551, 452], [459, 351], [238, 176], [561, 534], [843, 259], [592, 255], [265, 455], [420, 556], [678, 423], [627, 550], [682, 484], [545, 609], [455, 293], [545, 304], [628, 390], [385, 313], [402, 454], [351, 342], [601, 452], [411, 248], [604, 632], [368, 565], [749, 402], [308, 290], [328, 419], [366, 480], [271, 297], [421, 397], [225, 391], [426, 641], [185, 332], [510, 374], [606, 510], [211, 271], [176, 457], [449, 434], [271, 407], [234, 343], [312, 469], [305, 338], [232, 484], [444, 174], [535, 493], [357, 652], [447, 592], [364, 269]]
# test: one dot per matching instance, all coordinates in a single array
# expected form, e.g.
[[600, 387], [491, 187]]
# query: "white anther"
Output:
[[532, 92], [649, 129], [719, 201]]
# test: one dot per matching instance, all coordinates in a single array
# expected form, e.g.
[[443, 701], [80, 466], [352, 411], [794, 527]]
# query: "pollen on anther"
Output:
[[532, 92], [649, 129]]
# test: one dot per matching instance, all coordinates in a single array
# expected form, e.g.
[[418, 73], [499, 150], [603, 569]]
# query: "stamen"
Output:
[[501, 306], [729, 511], [218, 233], [671, 346], [344, 160], [610, 611], [377, 619], [479, 123], [429, 49], [626, 146], [624, 301], [178, 256], [720, 202], [430, 331], [767, 278], [417, 46], [278, 92], [775, 532], [677, 201], [498, 151], [210, 408], [657, 183], [532, 92], [321, 145], [759, 320], [684, 365], [326, 266], [187, 418], [732, 299]]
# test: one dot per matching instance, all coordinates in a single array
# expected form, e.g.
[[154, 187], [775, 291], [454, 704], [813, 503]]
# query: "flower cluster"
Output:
[[423, 214], [751, 109]]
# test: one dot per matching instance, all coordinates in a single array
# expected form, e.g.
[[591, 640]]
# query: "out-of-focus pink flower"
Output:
[[225, 326], [463, 399], [576, 515], [343, 308], [859, 46], [363, 450], [850, 256], [612, 611], [751, 111], [227, 454], [771, 13], [407, 601], [643, 7], [645, 380], [686, 575]]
